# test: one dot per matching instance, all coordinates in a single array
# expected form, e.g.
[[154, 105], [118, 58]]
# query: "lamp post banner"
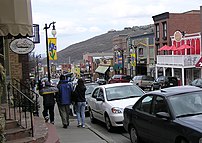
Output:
[[52, 52], [133, 60]]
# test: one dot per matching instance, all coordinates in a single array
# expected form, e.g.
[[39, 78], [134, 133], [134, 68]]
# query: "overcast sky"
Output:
[[79, 20]]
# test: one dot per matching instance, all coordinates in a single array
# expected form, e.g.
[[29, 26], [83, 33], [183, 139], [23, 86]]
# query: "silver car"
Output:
[[107, 102]]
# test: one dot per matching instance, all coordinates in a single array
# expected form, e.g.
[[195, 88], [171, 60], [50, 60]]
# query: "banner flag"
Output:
[[52, 53], [133, 60]]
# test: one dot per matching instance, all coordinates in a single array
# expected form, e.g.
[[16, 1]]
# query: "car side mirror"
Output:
[[100, 99], [163, 115]]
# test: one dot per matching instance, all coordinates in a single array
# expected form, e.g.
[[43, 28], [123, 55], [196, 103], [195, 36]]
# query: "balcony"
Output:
[[177, 60]]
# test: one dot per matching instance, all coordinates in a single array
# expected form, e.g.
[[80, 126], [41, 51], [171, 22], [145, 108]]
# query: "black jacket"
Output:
[[48, 93], [80, 93]]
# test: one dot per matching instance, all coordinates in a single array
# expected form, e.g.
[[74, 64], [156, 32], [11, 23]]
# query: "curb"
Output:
[[102, 136]]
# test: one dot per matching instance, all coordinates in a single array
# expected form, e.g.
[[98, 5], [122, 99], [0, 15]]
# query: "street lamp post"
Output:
[[37, 65], [47, 50], [132, 49]]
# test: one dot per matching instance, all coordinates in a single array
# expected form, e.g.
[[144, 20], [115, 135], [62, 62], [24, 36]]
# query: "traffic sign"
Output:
[[199, 63]]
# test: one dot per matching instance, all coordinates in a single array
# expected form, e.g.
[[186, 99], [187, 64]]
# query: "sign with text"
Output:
[[199, 63], [22, 46]]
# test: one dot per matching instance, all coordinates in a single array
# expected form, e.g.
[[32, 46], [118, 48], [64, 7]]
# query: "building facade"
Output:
[[141, 54], [176, 30]]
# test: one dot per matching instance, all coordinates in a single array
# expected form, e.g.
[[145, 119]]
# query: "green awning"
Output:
[[101, 69]]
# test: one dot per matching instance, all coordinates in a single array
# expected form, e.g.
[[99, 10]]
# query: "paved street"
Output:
[[73, 134], [119, 135], [95, 133]]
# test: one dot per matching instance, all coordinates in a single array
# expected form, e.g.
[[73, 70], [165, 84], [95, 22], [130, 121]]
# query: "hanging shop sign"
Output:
[[178, 36], [22, 46]]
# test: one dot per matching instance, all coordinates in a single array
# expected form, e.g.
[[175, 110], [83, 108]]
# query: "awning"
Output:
[[173, 48], [164, 48], [101, 69], [184, 46], [16, 17]]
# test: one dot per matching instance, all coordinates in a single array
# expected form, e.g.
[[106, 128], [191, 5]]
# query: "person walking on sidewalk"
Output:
[[80, 103], [64, 100], [48, 92]]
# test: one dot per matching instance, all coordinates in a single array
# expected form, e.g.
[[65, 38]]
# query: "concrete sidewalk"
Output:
[[73, 134]]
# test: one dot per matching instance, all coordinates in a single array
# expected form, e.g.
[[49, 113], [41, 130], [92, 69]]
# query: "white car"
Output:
[[107, 102]]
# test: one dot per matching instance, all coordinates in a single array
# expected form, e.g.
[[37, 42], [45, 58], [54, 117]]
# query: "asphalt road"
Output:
[[119, 135]]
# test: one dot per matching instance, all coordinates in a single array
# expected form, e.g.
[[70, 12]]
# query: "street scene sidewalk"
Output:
[[72, 134]]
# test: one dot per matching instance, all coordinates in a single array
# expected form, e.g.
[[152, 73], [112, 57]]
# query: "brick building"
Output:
[[176, 30]]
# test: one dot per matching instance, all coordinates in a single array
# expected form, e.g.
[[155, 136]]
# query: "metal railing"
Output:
[[22, 104], [25, 88]]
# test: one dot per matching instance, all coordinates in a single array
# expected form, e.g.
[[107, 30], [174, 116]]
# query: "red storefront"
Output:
[[180, 59]]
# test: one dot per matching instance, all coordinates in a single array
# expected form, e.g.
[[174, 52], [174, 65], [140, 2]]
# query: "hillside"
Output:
[[101, 43]]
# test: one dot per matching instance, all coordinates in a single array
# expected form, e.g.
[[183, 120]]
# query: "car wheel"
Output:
[[133, 135], [108, 123], [92, 119]]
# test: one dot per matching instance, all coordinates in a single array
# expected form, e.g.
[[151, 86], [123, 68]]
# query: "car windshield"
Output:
[[123, 92], [90, 87], [54, 80], [187, 104]]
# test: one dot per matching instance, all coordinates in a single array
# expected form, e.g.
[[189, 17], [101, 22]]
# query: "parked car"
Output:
[[197, 82], [54, 81], [164, 81], [119, 78], [101, 81], [108, 101], [170, 115], [89, 89], [143, 81]]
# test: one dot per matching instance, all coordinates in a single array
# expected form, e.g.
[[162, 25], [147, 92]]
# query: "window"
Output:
[[101, 94], [157, 32], [140, 51], [95, 93], [159, 105], [145, 104], [164, 30], [157, 49]]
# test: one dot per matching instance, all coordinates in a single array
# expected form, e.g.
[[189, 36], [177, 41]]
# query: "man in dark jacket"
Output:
[[64, 100], [48, 92]]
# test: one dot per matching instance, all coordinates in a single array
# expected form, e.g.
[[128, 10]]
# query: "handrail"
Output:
[[28, 91], [22, 94], [20, 108]]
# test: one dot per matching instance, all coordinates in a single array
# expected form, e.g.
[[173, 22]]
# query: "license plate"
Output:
[[171, 83]]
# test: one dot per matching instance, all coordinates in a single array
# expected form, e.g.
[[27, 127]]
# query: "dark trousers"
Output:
[[64, 113], [50, 110]]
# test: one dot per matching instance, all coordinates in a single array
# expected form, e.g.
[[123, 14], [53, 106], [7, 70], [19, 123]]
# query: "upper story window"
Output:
[[157, 49], [164, 30], [140, 52], [157, 32]]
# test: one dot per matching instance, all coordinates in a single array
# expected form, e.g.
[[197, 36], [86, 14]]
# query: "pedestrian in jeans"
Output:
[[64, 100], [80, 103], [48, 92]]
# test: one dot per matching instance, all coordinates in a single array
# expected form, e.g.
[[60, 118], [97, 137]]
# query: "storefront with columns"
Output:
[[181, 58]]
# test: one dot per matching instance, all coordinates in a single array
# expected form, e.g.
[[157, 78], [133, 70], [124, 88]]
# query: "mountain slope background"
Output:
[[102, 43]]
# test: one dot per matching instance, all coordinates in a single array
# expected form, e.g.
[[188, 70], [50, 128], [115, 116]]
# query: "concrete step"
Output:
[[23, 140], [16, 133], [11, 124]]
